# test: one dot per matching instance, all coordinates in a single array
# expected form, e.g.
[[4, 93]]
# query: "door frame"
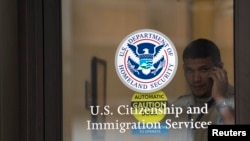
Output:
[[40, 55]]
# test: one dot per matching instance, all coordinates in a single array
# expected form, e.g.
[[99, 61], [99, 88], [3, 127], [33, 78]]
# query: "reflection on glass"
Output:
[[95, 28]]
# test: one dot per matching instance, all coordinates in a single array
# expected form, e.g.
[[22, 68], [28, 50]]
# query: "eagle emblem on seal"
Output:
[[146, 60]]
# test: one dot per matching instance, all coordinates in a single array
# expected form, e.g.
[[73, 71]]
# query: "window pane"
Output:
[[95, 28]]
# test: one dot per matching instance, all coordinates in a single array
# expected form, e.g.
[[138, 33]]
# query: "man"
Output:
[[208, 82]]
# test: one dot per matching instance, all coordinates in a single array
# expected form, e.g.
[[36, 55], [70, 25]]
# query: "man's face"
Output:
[[196, 72]]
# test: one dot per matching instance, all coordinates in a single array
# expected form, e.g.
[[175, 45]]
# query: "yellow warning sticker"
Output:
[[149, 107]]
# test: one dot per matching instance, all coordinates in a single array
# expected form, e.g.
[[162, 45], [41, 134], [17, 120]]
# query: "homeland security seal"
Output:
[[146, 61]]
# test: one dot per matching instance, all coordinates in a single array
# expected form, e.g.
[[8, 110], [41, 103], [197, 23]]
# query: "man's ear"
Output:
[[219, 64]]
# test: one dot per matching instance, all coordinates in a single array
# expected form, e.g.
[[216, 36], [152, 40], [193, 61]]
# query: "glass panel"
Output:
[[95, 28]]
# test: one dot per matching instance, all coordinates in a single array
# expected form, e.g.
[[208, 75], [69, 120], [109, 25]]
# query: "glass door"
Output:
[[94, 29]]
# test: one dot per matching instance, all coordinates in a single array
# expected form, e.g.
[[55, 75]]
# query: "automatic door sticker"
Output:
[[149, 107], [146, 61]]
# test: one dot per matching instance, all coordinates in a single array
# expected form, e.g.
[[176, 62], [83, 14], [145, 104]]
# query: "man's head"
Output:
[[200, 57]]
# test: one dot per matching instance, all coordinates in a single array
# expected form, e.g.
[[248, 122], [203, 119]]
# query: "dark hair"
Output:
[[202, 48]]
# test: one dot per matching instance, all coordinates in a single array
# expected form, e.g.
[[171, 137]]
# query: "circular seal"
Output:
[[146, 61], [149, 107]]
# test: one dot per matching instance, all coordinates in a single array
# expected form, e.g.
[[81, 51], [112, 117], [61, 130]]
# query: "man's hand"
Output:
[[219, 89], [220, 84]]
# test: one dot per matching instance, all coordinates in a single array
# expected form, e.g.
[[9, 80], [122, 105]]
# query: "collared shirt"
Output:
[[211, 115]]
